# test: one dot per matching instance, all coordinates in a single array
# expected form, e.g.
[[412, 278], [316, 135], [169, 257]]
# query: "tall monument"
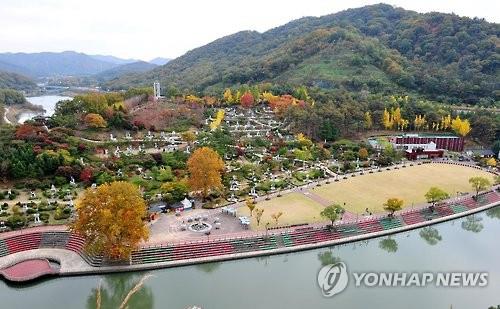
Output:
[[156, 90]]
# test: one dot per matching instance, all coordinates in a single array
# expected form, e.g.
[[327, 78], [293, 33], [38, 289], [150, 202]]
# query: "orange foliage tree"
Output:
[[110, 218], [95, 121], [247, 100], [205, 167]]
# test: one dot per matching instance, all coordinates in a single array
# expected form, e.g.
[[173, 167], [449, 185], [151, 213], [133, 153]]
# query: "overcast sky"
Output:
[[145, 29]]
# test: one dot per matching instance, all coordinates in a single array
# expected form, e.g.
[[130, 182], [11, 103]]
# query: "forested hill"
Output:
[[15, 81], [378, 48]]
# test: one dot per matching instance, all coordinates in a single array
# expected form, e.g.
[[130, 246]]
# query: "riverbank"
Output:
[[74, 261], [14, 112]]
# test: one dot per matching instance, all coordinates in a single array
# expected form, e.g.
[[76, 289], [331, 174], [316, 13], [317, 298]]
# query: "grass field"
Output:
[[409, 184], [369, 190], [296, 208]]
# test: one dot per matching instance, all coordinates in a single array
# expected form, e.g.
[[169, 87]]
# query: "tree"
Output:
[[205, 167], [250, 204], [479, 183], [363, 153], [95, 121], [435, 195], [228, 96], [461, 127], [174, 191], [276, 216], [110, 218], [332, 212], [188, 137], [258, 214], [491, 162], [368, 121], [387, 120], [393, 204], [247, 100]]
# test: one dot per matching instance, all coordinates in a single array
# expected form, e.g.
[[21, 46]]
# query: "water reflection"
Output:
[[327, 258], [390, 245], [430, 235], [114, 290], [493, 212], [208, 267], [473, 224]]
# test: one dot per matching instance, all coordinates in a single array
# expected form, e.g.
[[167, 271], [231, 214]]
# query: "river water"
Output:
[[290, 281], [48, 102]]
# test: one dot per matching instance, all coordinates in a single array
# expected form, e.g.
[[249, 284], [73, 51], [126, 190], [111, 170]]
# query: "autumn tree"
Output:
[[247, 100], [95, 121], [250, 204], [387, 120], [435, 195], [205, 167], [491, 162], [461, 127], [276, 216], [363, 153], [419, 122], [393, 204], [110, 218], [188, 136], [368, 121], [479, 183], [228, 96], [258, 214]]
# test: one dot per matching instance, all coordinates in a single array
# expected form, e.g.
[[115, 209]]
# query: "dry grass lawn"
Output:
[[409, 184], [296, 209]]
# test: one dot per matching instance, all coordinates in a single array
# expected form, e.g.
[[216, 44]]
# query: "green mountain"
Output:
[[134, 67], [48, 64], [376, 48], [15, 81]]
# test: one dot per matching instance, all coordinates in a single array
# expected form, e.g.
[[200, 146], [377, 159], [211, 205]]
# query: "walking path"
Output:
[[68, 249]]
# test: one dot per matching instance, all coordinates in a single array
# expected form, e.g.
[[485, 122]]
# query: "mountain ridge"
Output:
[[442, 56]]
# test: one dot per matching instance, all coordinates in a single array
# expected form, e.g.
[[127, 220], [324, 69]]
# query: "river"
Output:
[[290, 281], [48, 102]]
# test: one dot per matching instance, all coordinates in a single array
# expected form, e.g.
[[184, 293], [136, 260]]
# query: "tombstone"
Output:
[[156, 145], [106, 152], [111, 137], [33, 194], [37, 218], [94, 185], [252, 191], [81, 161], [9, 192], [72, 181], [53, 189], [119, 173], [25, 207]]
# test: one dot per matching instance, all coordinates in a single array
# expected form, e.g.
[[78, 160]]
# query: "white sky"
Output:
[[145, 29]]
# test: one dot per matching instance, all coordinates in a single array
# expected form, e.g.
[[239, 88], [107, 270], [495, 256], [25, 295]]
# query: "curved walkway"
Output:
[[74, 260]]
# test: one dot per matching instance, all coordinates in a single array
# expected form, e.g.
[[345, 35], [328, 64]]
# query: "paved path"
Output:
[[69, 260]]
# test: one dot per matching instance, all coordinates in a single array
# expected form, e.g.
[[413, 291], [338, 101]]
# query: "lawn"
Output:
[[296, 209], [409, 184]]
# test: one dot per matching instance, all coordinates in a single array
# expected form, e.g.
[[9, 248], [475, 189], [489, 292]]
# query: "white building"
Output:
[[156, 90]]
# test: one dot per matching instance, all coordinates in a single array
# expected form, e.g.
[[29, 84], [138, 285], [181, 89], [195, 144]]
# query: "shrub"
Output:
[[16, 221]]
